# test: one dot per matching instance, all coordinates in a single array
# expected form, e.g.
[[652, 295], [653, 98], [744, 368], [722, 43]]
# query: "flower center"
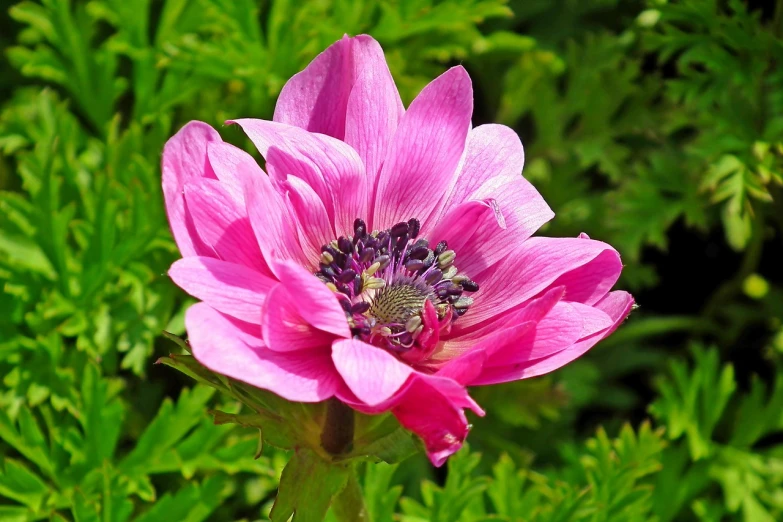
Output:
[[397, 292]]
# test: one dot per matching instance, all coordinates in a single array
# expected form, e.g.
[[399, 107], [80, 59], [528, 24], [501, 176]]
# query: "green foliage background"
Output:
[[656, 126]]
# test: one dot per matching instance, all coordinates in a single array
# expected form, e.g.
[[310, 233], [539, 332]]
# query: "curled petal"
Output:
[[315, 99], [521, 318], [464, 369], [283, 327], [323, 97], [185, 160], [534, 266], [313, 226], [315, 302], [235, 349], [371, 373], [433, 408], [222, 224], [230, 288], [332, 168], [232, 167], [474, 227], [598, 322], [591, 281], [273, 225]]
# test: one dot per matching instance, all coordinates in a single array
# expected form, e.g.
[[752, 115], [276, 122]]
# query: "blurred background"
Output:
[[655, 126]]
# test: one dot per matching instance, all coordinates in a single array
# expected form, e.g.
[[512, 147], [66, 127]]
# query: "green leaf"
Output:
[[169, 426], [456, 497], [302, 496], [15, 514], [379, 495], [20, 484], [692, 404], [28, 440], [102, 419], [192, 503], [274, 429], [188, 365]]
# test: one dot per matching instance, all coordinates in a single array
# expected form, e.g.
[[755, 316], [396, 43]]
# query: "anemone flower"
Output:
[[385, 258]]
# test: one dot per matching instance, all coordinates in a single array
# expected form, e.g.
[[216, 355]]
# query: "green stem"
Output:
[[348, 505], [337, 433]]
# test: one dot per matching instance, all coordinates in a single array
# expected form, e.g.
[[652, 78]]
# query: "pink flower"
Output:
[[385, 257]]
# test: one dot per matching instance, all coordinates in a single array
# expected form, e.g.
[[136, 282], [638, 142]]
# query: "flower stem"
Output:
[[348, 505], [337, 433]]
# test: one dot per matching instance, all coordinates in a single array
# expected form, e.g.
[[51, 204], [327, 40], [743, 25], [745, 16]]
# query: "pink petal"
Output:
[[535, 266], [316, 303], [424, 153], [591, 281], [491, 172], [284, 329], [372, 374], [374, 109], [226, 346], [318, 98], [523, 316], [433, 410], [475, 229], [491, 151], [617, 305], [614, 306], [222, 224], [233, 289], [313, 224], [332, 168], [184, 160], [523, 208], [232, 166], [593, 319], [430, 406], [558, 330], [273, 225], [464, 369]]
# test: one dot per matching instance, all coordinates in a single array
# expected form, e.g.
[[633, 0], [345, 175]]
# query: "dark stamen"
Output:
[[360, 308], [399, 229], [383, 260], [383, 280], [367, 254], [433, 277], [346, 276], [470, 286], [345, 245], [359, 228], [414, 226], [453, 289], [414, 264], [430, 259], [419, 252]]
